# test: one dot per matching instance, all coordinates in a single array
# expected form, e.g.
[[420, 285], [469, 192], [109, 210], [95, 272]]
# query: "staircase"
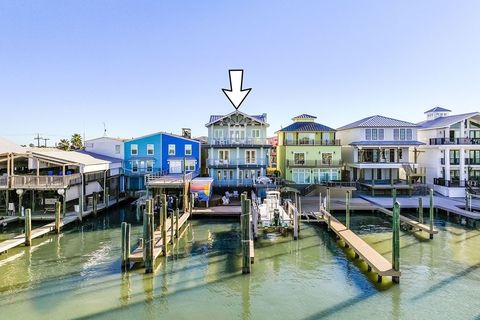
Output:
[[408, 169]]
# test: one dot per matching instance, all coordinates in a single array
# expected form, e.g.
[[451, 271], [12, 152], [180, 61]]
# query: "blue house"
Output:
[[159, 153]]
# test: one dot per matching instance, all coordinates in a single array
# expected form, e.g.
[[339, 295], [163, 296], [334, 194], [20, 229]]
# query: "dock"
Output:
[[50, 227], [374, 260], [412, 223], [218, 211]]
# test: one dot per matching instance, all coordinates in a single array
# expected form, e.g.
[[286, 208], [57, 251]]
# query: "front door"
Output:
[[175, 166]]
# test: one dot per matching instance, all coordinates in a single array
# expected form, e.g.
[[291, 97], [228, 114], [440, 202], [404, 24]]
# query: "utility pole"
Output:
[[45, 141], [38, 138]]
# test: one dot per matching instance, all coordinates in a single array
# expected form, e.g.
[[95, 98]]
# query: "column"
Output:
[[447, 164], [462, 129], [463, 176], [262, 162]]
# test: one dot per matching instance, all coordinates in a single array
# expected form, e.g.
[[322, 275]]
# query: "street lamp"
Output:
[[61, 192], [20, 193]]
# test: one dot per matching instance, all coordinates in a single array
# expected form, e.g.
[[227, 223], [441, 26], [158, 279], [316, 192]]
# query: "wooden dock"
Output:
[[405, 220], [218, 211], [50, 227], [137, 255], [363, 250]]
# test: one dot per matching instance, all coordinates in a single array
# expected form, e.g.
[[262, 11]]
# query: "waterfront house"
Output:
[[451, 150], [308, 152], [159, 153], [107, 146], [381, 153], [237, 148]]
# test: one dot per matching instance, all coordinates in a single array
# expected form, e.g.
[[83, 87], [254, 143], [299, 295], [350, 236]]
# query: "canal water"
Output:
[[77, 275]]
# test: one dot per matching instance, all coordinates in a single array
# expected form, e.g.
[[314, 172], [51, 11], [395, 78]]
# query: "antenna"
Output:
[[104, 129]]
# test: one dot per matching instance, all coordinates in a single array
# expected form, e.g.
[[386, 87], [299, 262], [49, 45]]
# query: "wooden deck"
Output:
[[137, 255], [413, 223], [374, 259], [220, 211]]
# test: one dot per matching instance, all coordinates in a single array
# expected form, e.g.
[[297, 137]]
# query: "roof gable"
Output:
[[438, 109], [377, 121], [260, 119], [306, 127], [442, 122]]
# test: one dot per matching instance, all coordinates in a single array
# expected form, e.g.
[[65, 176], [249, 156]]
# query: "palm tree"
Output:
[[76, 142], [63, 144]]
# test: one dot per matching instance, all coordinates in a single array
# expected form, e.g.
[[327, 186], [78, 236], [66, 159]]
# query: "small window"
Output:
[[402, 134], [134, 149], [409, 134], [149, 165], [256, 133], [117, 149], [380, 134], [190, 165], [396, 134], [188, 149], [374, 134], [89, 145], [150, 149], [134, 166], [368, 134], [171, 149]]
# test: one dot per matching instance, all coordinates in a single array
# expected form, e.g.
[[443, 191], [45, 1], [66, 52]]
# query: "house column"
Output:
[[463, 176], [462, 129], [211, 157], [262, 162], [446, 154]]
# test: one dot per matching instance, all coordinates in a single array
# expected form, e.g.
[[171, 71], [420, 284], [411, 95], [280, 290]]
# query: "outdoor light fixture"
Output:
[[60, 192], [19, 192]]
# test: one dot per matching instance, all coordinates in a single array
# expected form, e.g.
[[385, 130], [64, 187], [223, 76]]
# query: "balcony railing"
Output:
[[232, 163], [233, 183], [454, 141], [313, 143], [238, 142], [449, 183], [313, 163], [471, 161], [4, 182], [452, 161], [44, 182]]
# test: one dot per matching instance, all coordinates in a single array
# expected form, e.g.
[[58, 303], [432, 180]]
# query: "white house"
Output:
[[107, 146], [450, 150], [379, 152]]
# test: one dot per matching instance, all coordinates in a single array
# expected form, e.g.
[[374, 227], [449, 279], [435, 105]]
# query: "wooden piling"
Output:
[[95, 200], [394, 196], [172, 226], [164, 223], [28, 227], [328, 200], [431, 214], [396, 240], [347, 210], [420, 210], [107, 198], [126, 230], [58, 210], [149, 236], [177, 229], [245, 234], [295, 224]]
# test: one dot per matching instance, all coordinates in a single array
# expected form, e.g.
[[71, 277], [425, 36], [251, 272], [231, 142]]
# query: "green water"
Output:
[[77, 275]]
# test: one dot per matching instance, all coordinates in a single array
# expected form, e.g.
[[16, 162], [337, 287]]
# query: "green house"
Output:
[[308, 152]]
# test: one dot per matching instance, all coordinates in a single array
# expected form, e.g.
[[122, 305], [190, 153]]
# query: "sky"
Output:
[[147, 66]]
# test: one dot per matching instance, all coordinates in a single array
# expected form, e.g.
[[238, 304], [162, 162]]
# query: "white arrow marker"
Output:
[[236, 94]]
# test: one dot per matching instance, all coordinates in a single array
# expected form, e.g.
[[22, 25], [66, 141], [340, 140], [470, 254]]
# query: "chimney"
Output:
[[187, 133], [264, 117]]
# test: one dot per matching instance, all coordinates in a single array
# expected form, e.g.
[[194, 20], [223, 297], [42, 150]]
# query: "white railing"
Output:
[[162, 178], [4, 182], [50, 182], [245, 141]]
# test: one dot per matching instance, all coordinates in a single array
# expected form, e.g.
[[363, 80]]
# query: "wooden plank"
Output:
[[378, 263]]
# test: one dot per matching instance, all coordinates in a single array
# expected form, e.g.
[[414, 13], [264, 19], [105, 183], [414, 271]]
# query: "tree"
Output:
[[63, 144], [76, 142]]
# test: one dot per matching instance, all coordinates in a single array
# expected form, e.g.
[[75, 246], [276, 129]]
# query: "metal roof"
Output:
[[438, 109], [377, 121], [387, 143], [7, 146], [306, 127], [68, 156], [443, 122], [261, 118], [162, 133], [102, 157], [305, 116]]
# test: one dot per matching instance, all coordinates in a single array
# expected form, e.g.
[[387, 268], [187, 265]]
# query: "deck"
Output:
[[137, 255], [220, 211], [374, 259]]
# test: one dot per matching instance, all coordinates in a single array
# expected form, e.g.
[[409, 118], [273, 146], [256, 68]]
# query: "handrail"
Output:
[[30, 181]]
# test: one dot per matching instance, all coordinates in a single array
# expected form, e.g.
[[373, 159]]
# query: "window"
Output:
[[255, 133], [368, 134], [250, 156], [306, 138], [381, 134], [327, 157], [89, 145], [188, 149], [190, 165], [400, 154], [150, 149], [149, 165], [223, 156], [134, 166], [299, 158], [374, 134], [409, 134], [402, 134], [117, 149], [171, 149], [289, 138], [134, 149], [396, 134], [218, 133]]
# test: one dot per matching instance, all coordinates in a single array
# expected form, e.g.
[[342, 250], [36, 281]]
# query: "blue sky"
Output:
[[147, 66]]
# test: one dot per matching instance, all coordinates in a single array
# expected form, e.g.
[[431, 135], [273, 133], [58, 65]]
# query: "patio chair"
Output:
[[235, 194], [227, 195], [225, 200]]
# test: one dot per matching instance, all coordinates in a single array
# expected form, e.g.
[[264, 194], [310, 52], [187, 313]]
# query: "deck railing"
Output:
[[4, 182], [454, 141], [449, 183], [314, 163], [238, 142], [241, 162], [163, 178], [313, 143], [44, 182]]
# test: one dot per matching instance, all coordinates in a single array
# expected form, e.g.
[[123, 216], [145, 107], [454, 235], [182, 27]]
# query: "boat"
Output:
[[272, 215]]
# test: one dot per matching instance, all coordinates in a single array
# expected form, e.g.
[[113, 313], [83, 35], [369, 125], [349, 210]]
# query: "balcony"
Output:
[[452, 161], [44, 182], [233, 143], [242, 163], [313, 143], [313, 163], [454, 141], [455, 183], [469, 161], [3, 182]]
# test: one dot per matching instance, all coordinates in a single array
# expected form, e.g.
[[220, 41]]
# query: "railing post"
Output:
[[420, 210], [58, 210], [164, 223], [347, 209], [431, 214], [396, 240]]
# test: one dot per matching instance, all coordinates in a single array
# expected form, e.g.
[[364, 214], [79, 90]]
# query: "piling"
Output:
[[295, 224], [107, 198], [172, 225], [299, 216], [149, 237], [28, 227], [245, 234], [394, 195], [177, 216], [347, 210], [95, 200], [420, 210], [126, 245], [396, 240], [164, 223], [328, 200], [431, 213], [320, 203], [58, 210]]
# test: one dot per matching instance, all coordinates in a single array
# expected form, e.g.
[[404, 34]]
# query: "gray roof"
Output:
[[305, 116], [387, 143], [377, 121], [443, 122], [101, 156], [306, 127], [261, 118], [438, 109]]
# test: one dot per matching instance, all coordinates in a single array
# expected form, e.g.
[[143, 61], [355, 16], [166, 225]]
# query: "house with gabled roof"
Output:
[[308, 152], [451, 151], [381, 153], [237, 148]]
